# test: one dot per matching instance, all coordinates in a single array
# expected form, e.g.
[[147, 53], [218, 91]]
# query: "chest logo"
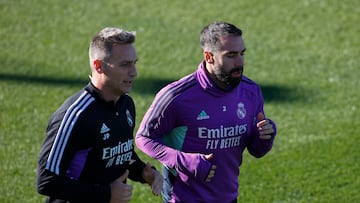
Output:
[[129, 118], [105, 131], [241, 111], [203, 115]]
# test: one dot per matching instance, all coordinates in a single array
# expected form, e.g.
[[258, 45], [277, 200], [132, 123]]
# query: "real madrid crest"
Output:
[[241, 111], [129, 118]]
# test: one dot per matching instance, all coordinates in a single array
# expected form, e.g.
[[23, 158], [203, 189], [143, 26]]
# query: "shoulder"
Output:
[[247, 83], [72, 107], [81, 99], [170, 92], [126, 99], [250, 87], [179, 86]]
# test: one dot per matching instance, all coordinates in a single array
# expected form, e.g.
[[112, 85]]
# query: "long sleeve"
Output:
[[60, 187], [89, 143], [191, 118], [159, 124], [52, 181], [135, 169], [256, 146]]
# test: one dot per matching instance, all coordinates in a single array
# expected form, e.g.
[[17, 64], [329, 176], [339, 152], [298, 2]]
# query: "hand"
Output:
[[120, 192], [265, 128], [212, 169], [153, 178]]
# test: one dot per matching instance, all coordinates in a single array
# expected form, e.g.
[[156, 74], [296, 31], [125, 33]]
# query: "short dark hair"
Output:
[[210, 34]]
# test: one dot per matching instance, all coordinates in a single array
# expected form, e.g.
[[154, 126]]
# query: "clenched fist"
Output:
[[266, 129]]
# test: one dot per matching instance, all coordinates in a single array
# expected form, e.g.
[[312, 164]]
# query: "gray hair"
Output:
[[102, 43], [210, 35]]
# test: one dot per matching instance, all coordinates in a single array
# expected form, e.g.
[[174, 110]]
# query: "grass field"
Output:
[[305, 54]]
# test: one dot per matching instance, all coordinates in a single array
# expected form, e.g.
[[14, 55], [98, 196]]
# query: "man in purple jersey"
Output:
[[199, 126], [88, 152]]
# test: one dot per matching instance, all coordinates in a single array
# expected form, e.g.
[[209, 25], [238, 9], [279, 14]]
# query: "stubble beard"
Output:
[[226, 78]]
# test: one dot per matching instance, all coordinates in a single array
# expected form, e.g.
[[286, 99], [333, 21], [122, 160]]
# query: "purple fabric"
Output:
[[77, 164], [216, 121]]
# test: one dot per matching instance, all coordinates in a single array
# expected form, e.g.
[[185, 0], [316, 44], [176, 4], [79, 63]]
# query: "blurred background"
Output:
[[304, 54]]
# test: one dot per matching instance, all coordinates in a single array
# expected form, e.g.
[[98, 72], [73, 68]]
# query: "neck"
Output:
[[103, 92]]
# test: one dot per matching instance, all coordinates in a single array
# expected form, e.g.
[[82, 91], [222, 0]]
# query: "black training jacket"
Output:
[[88, 144]]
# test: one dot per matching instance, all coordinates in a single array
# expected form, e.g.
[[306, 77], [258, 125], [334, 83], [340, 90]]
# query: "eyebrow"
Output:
[[234, 52], [130, 61]]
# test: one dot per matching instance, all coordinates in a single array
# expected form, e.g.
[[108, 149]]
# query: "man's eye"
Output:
[[231, 55], [125, 64], [129, 63]]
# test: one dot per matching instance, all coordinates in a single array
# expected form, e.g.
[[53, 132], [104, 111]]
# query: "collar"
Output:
[[206, 82], [95, 92]]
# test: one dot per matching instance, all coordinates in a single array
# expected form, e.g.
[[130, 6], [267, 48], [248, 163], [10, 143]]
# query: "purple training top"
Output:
[[193, 117]]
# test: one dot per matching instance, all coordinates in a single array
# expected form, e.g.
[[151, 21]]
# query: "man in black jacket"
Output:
[[88, 152]]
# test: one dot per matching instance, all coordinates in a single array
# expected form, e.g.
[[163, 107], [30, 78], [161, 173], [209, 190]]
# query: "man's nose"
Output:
[[133, 71], [239, 60]]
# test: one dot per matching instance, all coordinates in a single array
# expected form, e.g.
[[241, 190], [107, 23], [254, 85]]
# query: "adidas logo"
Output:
[[104, 129], [203, 115]]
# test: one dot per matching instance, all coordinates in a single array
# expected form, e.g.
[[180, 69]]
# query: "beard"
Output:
[[226, 77]]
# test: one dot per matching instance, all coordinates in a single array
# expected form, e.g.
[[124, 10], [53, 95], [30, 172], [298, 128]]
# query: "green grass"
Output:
[[303, 53]]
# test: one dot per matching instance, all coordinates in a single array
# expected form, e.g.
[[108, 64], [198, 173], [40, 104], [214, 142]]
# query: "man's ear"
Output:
[[209, 57], [97, 65]]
